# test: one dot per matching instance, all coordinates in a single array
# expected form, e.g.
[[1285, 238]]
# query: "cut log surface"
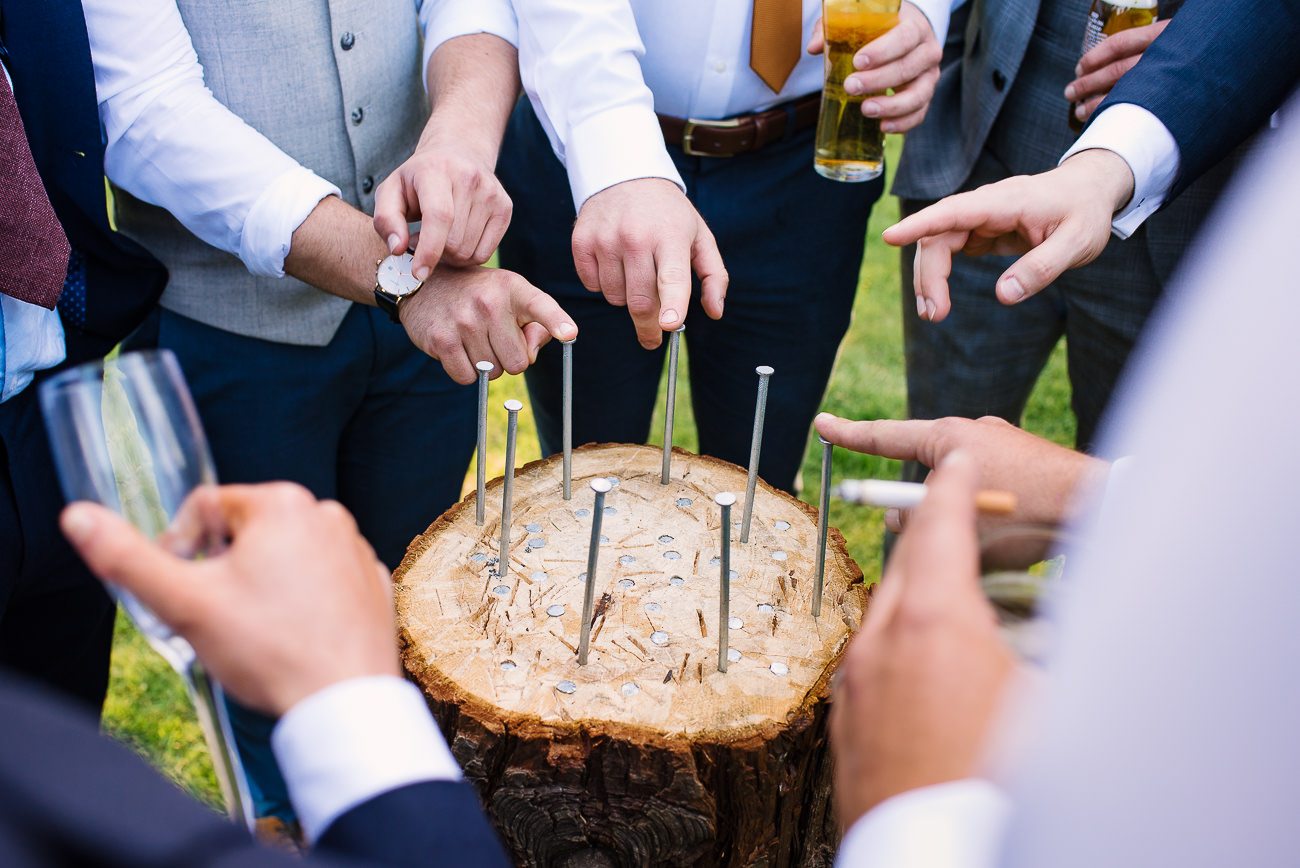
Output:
[[648, 755]]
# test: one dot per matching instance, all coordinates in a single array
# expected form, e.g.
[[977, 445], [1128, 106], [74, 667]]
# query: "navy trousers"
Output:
[[368, 420], [56, 620], [792, 243]]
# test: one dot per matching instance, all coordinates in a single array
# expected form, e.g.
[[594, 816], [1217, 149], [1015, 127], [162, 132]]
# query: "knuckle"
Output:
[[641, 305]]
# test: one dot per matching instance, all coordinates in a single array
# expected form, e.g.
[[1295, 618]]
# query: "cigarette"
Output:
[[906, 495]]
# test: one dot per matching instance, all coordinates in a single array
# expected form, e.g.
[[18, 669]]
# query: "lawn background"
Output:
[[147, 707]]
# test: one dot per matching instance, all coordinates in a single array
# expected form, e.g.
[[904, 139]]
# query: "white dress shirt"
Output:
[[1150, 151], [169, 142], [1166, 733], [596, 71], [353, 741]]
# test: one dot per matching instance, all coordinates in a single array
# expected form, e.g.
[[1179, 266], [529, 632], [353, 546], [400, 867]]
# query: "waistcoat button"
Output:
[[347, 40], [358, 115]]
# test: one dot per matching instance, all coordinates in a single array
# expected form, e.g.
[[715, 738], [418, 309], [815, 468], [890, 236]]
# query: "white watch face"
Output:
[[395, 275]]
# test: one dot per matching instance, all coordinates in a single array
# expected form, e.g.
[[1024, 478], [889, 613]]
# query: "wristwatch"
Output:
[[395, 283]]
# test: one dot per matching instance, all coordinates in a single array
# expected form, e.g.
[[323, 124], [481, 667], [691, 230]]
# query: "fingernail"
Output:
[[422, 273], [1079, 112], [394, 243], [1013, 290], [871, 109], [861, 61], [853, 87], [1069, 92], [930, 308], [920, 306], [892, 516], [77, 523], [568, 332], [1078, 70], [668, 317]]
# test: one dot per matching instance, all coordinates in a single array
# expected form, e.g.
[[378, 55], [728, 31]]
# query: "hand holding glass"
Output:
[[125, 434]]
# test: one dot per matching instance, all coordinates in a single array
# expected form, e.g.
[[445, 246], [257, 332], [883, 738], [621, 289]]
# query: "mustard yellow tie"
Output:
[[776, 40]]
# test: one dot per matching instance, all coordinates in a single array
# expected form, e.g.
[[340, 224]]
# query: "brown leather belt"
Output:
[[738, 135]]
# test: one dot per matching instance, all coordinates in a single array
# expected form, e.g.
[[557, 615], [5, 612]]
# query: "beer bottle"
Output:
[[1107, 17]]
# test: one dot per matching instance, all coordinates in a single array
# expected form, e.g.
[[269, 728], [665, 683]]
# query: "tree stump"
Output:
[[648, 755]]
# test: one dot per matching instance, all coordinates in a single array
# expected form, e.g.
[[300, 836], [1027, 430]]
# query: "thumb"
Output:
[[121, 556], [1037, 269]]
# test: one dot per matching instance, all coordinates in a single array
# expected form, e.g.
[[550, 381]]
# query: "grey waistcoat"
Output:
[[351, 115]]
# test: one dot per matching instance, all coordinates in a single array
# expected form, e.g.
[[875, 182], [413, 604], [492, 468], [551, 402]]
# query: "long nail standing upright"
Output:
[[755, 446], [823, 524], [601, 486], [507, 489], [480, 499], [725, 500], [674, 343], [567, 391]]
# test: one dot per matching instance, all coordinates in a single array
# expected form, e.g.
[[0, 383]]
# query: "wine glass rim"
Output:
[[92, 372]]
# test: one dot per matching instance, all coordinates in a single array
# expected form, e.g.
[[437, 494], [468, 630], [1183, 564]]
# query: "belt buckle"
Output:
[[688, 134]]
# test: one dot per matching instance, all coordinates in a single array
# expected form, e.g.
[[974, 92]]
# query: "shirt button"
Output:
[[999, 80], [720, 66], [347, 40], [358, 115], [367, 183]]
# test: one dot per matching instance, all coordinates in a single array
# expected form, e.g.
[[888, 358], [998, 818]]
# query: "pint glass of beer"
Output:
[[850, 146], [1105, 18]]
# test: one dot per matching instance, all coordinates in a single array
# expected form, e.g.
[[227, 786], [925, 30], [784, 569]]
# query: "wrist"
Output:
[[1106, 172]]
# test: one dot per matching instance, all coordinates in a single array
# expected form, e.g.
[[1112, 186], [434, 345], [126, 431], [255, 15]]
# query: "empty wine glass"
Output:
[[125, 433]]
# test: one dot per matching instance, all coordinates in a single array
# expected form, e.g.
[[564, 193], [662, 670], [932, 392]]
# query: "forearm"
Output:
[[473, 82], [336, 249]]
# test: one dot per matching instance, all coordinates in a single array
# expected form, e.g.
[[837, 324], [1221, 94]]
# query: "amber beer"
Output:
[[1106, 18], [850, 146]]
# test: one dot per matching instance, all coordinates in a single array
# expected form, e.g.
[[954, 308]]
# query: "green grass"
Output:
[[147, 706]]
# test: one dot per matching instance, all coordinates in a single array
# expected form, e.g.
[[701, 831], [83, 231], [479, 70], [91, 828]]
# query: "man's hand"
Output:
[[920, 684], [1045, 478], [1100, 69], [297, 602], [468, 315], [462, 208], [448, 184], [637, 243], [1055, 221], [904, 60]]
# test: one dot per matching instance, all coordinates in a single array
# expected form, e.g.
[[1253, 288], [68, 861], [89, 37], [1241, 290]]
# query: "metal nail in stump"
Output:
[[755, 446], [725, 500], [567, 392], [507, 489], [601, 486], [674, 343], [823, 523], [480, 499]]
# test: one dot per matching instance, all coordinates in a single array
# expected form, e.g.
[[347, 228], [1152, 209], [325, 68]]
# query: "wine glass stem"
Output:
[[210, 706]]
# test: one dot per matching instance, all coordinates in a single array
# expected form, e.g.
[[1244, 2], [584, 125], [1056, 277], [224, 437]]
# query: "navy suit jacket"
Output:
[[47, 54], [1215, 75], [71, 797]]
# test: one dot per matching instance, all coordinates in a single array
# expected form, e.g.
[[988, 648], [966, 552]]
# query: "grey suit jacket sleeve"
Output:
[[1215, 75]]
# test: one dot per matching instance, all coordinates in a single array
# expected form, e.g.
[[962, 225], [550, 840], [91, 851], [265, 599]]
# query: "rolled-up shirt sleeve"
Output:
[[170, 142], [441, 20], [601, 125]]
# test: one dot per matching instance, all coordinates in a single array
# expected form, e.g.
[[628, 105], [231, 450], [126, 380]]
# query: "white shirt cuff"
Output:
[[938, 12], [942, 826], [276, 213], [352, 741], [1150, 151], [441, 20], [620, 144]]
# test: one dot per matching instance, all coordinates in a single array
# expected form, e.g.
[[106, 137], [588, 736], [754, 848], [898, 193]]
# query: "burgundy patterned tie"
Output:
[[33, 247]]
